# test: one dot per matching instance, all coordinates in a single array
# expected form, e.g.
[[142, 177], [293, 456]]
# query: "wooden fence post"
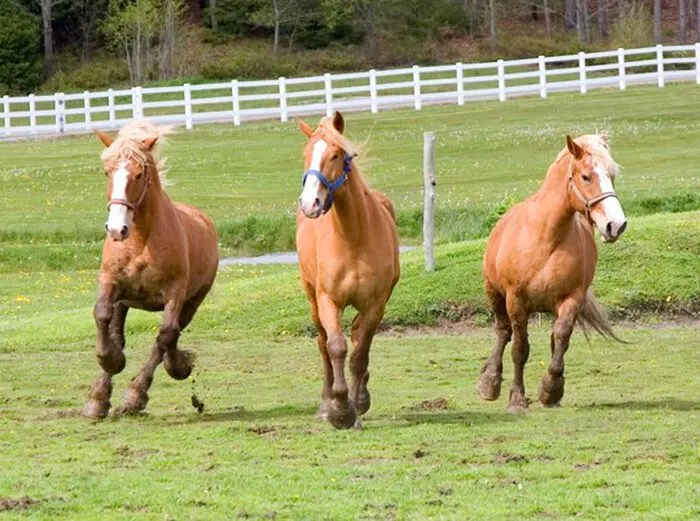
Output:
[[283, 99], [187, 91], [429, 196]]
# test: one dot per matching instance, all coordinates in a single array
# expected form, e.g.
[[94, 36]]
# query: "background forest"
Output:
[[67, 45]]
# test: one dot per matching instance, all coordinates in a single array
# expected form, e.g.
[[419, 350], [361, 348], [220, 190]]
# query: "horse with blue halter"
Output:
[[348, 256]]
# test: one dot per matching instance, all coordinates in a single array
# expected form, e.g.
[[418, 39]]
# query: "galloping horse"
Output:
[[158, 255], [348, 256], [541, 256]]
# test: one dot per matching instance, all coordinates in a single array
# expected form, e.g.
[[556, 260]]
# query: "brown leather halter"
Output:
[[587, 203], [134, 206]]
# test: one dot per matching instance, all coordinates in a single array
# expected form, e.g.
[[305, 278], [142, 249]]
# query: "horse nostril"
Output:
[[622, 228], [106, 227], [125, 230], [317, 202], [609, 229]]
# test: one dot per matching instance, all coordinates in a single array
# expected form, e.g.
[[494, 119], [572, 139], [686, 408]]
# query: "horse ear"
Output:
[[574, 148], [338, 122], [304, 127], [604, 136], [106, 140], [150, 142]]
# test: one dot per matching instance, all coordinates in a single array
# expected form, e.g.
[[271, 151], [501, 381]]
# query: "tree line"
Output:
[[147, 34]]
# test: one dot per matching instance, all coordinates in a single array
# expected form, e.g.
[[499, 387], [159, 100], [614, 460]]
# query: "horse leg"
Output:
[[552, 385], [109, 319], [136, 396], [341, 413], [363, 328], [520, 351], [322, 341], [491, 377]]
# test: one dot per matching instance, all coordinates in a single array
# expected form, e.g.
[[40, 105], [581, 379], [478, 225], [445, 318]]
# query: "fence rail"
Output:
[[374, 90]]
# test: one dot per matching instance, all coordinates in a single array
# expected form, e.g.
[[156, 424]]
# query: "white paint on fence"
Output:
[[429, 199], [372, 90]]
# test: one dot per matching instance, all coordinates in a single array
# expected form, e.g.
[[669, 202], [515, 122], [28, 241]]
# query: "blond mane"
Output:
[[597, 146], [129, 145]]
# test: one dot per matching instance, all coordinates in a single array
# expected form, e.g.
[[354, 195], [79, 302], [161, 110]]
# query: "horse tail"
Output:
[[592, 315]]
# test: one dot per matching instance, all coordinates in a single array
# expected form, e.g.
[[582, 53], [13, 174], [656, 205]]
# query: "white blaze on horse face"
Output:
[[120, 217], [313, 194], [610, 218]]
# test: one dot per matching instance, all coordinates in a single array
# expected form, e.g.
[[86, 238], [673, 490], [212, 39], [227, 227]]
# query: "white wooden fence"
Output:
[[239, 101]]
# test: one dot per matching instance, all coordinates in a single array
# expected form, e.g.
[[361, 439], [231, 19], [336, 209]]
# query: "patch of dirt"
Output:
[[59, 414], [431, 405], [262, 430], [445, 491], [23, 503], [502, 459], [419, 454], [583, 467]]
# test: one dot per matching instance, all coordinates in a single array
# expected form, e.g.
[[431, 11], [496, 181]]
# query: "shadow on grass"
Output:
[[669, 403], [240, 414], [455, 417]]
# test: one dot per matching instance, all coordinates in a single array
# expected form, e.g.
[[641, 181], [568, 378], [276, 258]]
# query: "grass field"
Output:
[[624, 445]]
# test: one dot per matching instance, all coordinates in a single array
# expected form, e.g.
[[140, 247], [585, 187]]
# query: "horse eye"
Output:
[[138, 176], [586, 178], [335, 156]]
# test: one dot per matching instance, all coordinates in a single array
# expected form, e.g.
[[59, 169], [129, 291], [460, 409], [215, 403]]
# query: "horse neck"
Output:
[[349, 213], [557, 213], [151, 208]]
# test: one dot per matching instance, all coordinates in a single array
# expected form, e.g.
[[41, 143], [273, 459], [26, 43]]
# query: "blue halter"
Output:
[[331, 187]]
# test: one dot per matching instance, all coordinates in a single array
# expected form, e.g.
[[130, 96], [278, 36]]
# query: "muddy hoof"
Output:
[[489, 385], [551, 390], [134, 401], [178, 364], [322, 413], [516, 409], [96, 409], [342, 417], [112, 363]]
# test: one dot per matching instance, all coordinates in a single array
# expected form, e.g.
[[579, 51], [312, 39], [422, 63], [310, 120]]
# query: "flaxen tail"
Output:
[[592, 315]]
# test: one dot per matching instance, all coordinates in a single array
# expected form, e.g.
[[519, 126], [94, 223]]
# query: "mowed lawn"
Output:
[[624, 444]]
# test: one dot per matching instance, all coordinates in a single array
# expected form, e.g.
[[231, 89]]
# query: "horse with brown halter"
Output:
[[348, 256], [157, 256], [541, 256]]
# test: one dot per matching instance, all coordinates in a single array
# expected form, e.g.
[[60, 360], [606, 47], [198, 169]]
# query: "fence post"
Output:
[[429, 199], [621, 67], [697, 63], [660, 65], [460, 84], [501, 81], [6, 112], [32, 114], [373, 91], [543, 76], [187, 91], [236, 103], [110, 106], [59, 106], [417, 103], [283, 99], [136, 109], [582, 71], [329, 94], [86, 108]]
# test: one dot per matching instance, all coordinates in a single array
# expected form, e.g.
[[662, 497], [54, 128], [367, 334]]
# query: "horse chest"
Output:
[[141, 285]]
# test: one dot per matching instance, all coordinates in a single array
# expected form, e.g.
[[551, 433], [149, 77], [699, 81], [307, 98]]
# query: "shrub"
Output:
[[20, 59]]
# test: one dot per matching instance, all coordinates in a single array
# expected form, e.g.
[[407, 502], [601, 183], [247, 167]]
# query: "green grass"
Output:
[[488, 156]]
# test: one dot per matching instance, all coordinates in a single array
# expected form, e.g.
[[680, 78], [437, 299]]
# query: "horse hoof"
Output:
[[96, 410], [489, 386], [135, 401], [112, 363], [363, 403], [358, 426], [343, 417], [516, 409], [178, 364], [551, 390]]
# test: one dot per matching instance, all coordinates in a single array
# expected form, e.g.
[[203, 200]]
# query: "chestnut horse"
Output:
[[158, 255], [541, 256], [348, 256]]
